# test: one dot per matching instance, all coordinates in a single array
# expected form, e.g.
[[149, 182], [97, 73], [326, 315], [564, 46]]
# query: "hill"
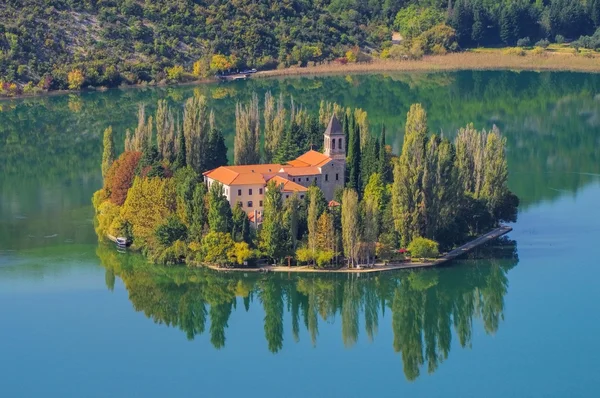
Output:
[[60, 44]]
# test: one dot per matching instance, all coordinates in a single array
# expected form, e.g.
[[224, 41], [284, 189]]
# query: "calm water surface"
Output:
[[78, 319]]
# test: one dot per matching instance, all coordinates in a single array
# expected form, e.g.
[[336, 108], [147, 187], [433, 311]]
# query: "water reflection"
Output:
[[427, 308]]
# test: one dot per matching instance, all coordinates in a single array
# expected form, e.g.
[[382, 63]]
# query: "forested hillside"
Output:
[[59, 44]]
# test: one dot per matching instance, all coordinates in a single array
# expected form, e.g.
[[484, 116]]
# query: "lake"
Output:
[[513, 319]]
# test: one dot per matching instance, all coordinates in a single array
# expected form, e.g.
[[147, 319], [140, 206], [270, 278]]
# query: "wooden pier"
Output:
[[381, 267]]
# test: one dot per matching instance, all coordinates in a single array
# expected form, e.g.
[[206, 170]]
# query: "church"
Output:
[[246, 184]]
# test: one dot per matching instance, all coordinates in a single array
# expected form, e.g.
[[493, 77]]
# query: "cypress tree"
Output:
[[108, 156], [354, 159], [346, 127], [385, 169], [217, 150]]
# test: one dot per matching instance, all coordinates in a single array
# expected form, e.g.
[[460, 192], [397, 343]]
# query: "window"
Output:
[[337, 176], [315, 179], [326, 177], [260, 192], [294, 179], [333, 144], [249, 203], [301, 196], [250, 191], [287, 196], [340, 144], [239, 192], [306, 179], [260, 203]]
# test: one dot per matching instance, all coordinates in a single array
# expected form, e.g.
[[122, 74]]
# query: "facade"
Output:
[[247, 184]]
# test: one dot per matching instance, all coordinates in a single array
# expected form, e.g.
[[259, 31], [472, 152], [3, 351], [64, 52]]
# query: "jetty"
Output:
[[382, 267]]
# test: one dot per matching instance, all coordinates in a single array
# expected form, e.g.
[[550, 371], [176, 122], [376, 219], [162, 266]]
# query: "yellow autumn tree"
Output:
[[325, 232], [75, 79], [219, 63], [149, 202]]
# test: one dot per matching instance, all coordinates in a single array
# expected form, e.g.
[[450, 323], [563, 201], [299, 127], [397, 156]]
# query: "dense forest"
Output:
[[60, 44]]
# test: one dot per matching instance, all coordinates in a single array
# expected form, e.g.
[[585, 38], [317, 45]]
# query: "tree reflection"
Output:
[[428, 308]]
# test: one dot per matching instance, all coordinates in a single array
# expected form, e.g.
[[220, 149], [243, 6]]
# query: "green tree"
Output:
[[354, 160], [219, 211], [217, 247], [384, 167], [423, 248], [216, 152], [247, 133], [240, 231], [173, 229], [273, 239], [350, 226], [108, 156]]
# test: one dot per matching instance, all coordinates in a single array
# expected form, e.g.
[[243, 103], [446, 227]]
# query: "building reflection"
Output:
[[428, 308]]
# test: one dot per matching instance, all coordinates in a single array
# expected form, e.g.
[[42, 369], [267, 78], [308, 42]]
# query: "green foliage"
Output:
[[423, 248], [217, 248], [219, 211], [272, 240], [108, 156], [174, 73], [413, 20], [171, 231]]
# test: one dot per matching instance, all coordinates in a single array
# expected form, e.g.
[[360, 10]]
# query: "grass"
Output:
[[554, 58]]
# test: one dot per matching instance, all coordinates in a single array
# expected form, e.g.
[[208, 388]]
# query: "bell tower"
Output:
[[335, 140]]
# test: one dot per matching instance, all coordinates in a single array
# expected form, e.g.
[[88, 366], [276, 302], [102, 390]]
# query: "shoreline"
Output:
[[468, 60], [380, 267]]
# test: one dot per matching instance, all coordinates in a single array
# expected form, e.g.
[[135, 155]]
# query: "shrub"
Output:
[[324, 257], [544, 43], [524, 42], [559, 39], [304, 255], [175, 73], [75, 79], [350, 56], [171, 231], [538, 51], [423, 248], [518, 51]]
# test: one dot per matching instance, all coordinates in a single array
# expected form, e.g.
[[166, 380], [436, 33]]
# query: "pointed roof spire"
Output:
[[334, 127]]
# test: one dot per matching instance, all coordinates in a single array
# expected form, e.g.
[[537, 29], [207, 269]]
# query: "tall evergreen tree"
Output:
[[217, 150], [354, 159], [199, 217], [384, 166], [108, 156], [219, 211], [350, 226], [240, 231]]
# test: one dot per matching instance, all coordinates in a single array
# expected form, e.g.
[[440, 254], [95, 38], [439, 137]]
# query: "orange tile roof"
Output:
[[333, 203], [314, 158], [288, 186], [297, 163], [242, 175], [302, 171]]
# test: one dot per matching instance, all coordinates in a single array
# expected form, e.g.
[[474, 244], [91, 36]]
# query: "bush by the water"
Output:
[[423, 248]]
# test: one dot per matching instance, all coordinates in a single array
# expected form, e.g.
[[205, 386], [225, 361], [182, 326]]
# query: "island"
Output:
[[344, 203]]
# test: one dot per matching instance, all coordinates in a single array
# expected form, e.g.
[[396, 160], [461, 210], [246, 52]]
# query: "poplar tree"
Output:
[[350, 226], [272, 235], [384, 164], [312, 220], [165, 131], [195, 130], [181, 157], [240, 231], [291, 216], [274, 118], [354, 159], [199, 216], [247, 133], [108, 156], [408, 173]]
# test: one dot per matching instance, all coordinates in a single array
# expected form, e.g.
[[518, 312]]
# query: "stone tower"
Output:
[[335, 140]]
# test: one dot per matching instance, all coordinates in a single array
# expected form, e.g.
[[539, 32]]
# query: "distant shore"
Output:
[[477, 59], [470, 60]]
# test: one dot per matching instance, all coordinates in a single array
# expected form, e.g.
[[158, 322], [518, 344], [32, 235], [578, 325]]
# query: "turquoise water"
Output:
[[78, 319]]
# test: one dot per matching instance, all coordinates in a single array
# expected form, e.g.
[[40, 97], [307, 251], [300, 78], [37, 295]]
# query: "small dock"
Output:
[[381, 267]]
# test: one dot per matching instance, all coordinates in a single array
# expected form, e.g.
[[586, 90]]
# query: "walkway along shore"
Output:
[[380, 267]]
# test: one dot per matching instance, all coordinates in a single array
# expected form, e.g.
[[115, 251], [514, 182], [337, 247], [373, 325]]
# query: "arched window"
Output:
[[340, 143], [333, 144]]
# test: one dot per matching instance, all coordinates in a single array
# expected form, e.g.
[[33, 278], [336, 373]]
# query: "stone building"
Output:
[[246, 184]]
